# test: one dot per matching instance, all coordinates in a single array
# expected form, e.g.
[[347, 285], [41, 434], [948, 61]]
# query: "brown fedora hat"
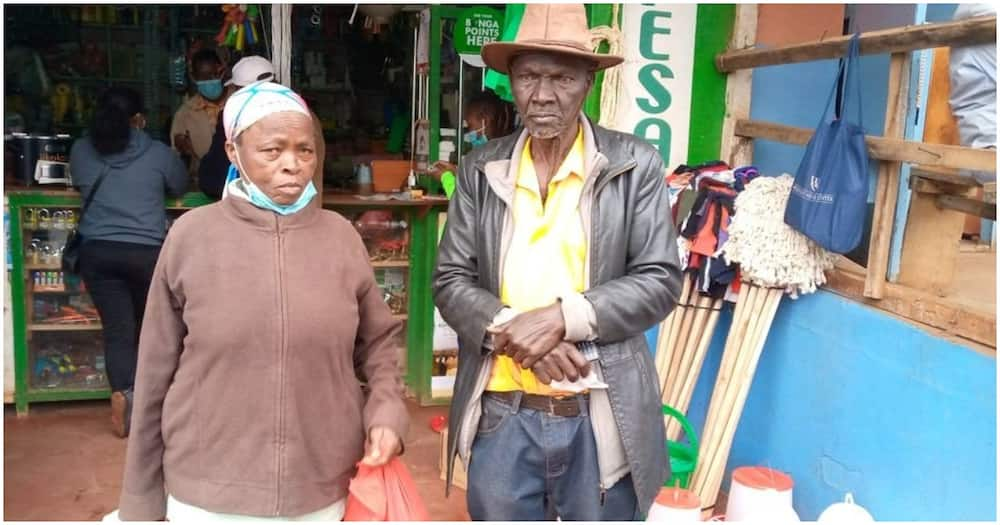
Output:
[[549, 28]]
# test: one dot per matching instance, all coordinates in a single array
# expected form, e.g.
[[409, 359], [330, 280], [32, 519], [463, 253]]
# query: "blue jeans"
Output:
[[530, 466]]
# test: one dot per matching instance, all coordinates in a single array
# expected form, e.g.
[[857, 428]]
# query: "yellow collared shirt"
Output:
[[547, 254]]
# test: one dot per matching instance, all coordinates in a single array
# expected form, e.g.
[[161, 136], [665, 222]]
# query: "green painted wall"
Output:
[[708, 94], [598, 15]]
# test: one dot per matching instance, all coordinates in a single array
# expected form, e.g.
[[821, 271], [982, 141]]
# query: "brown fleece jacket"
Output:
[[259, 330]]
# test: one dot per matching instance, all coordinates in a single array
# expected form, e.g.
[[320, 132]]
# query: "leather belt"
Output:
[[563, 406]]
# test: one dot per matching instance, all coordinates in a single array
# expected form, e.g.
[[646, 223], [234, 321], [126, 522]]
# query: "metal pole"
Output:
[[427, 96], [461, 115], [413, 101]]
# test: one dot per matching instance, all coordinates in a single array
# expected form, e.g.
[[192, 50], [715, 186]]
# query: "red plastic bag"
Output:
[[384, 493]]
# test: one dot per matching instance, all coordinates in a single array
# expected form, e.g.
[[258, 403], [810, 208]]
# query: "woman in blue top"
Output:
[[123, 228]]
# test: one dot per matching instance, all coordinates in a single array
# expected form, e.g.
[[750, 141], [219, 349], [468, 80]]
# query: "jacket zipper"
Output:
[[496, 278], [282, 343], [593, 257]]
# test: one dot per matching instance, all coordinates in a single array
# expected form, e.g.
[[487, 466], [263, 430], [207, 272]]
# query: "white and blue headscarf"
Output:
[[243, 109]]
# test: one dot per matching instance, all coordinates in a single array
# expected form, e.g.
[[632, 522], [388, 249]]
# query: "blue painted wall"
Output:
[[940, 12], [847, 398]]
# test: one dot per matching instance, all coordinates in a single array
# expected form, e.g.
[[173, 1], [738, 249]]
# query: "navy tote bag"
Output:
[[829, 199]]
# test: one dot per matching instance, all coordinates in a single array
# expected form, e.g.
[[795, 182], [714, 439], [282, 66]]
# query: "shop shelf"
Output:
[[41, 291], [97, 80], [42, 266], [62, 394], [202, 31], [390, 264], [117, 27], [48, 327], [380, 201], [39, 229]]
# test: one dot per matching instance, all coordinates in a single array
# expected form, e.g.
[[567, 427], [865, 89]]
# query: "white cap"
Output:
[[250, 70]]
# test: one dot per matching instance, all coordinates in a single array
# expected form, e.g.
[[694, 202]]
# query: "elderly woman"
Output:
[[266, 372]]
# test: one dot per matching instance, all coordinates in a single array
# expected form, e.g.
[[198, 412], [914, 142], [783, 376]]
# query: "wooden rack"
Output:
[[890, 149]]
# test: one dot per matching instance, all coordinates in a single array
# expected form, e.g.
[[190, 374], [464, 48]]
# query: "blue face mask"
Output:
[[210, 89], [262, 201], [476, 138]]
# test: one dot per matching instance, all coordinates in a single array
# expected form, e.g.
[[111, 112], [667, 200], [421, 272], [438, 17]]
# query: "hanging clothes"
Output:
[[703, 204]]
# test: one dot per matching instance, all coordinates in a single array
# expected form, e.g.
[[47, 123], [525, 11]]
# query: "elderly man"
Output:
[[557, 256]]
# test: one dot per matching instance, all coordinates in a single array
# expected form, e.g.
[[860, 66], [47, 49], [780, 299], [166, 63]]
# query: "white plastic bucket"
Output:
[[675, 505], [760, 493], [846, 512]]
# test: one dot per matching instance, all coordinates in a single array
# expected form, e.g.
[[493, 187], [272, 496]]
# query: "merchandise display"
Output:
[[702, 205], [392, 282], [387, 239], [68, 362], [357, 78], [735, 247]]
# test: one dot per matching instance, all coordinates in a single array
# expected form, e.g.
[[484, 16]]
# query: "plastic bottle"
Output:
[[364, 179]]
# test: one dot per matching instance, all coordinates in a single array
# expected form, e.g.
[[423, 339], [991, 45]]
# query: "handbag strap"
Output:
[[848, 65], [93, 192], [853, 71]]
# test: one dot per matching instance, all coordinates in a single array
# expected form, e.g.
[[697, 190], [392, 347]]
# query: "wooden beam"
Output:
[[887, 186], [920, 307], [736, 150], [968, 206], [946, 176], [972, 31], [922, 185], [882, 148], [931, 239]]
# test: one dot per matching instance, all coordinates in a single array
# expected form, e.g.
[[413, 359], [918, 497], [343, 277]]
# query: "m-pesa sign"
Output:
[[655, 98]]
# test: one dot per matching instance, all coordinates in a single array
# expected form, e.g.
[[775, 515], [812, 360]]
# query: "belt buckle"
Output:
[[552, 406]]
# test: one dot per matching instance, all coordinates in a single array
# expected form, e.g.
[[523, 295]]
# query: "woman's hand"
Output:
[[383, 444]]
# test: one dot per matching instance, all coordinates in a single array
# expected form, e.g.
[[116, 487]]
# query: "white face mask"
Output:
[[476, 137], [259, 199]]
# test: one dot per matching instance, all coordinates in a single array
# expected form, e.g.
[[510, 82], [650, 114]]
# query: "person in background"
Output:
[[974, 89], [214, 166], [487, 117], [269, 361], [123, 228], [195, 121], [558, 254]]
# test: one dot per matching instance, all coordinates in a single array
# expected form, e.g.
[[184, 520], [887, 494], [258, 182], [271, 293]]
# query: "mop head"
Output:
[[771, 253]]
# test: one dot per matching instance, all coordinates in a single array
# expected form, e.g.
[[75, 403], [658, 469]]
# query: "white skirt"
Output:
[[182, 512]]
